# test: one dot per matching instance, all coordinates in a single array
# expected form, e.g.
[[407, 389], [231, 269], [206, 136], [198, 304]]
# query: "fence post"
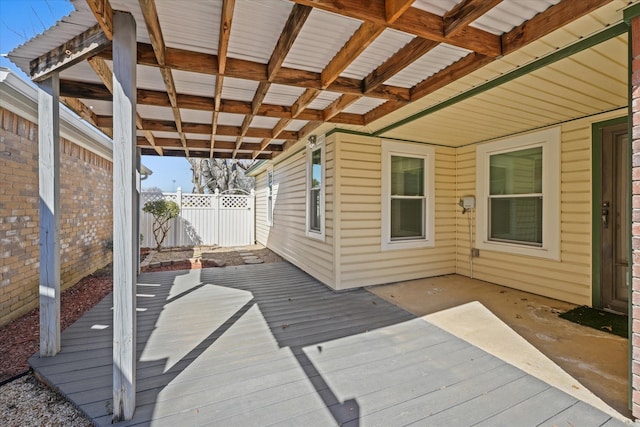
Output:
[[252, 205], [177, 229], [216, 215]]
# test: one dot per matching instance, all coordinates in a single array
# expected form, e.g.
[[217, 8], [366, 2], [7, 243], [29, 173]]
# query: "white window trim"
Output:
[[549, 140], [313, 233], [427, 152], [269, 203]]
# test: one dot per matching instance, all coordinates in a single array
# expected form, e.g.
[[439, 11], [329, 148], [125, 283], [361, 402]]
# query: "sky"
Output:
[[20, 20]]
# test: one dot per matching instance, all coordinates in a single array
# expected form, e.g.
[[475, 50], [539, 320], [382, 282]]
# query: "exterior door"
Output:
[[615, 233]]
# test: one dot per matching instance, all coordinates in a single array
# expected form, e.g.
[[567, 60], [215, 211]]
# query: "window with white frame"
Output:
[[316, 190], [407, 195], [270, 197], [519, 194]]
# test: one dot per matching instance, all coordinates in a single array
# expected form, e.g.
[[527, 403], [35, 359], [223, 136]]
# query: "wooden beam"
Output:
[[395, 8], [197, 62], [453, 72], [49, 212], [548, 21], [226, 20], [106, 75], [381, 111], [338, 105], [303, 101], [361, 39], [103, 13], [408, 54], [125, 217], [292, 28], [413, 21], [205, 154], [152, 22], [198, 144], [465, 13], [69, 53]]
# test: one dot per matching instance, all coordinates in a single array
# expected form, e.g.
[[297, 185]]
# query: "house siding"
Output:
[[360, 257], [85, 224], [570, 278], [287, 236]]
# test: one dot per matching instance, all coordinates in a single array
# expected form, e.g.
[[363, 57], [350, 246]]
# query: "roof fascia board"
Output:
[[22, 99], [583, 44]]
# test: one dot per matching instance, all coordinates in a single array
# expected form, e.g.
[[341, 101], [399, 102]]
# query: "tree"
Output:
[[221, 174], [162, 211]]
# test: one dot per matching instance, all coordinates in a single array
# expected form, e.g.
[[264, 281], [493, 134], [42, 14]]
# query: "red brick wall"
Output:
[[635, 135], [85, 197]]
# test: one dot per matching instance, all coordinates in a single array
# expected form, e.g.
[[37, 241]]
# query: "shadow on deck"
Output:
[[268, 344]]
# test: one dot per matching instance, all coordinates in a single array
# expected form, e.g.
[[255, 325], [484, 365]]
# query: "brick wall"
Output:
[[85, 196]]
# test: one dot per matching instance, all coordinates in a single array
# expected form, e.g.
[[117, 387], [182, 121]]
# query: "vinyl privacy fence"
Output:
[[205, 219]]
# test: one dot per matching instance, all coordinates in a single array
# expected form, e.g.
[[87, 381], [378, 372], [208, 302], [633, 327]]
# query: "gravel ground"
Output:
[[25, 401]]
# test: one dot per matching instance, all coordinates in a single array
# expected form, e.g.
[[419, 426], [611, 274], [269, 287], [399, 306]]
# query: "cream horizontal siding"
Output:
[[287, 235], [359, 254], [568, 279], [262, 229]]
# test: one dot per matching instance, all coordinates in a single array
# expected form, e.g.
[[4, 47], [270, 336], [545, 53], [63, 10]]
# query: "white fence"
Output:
[[205, 219]]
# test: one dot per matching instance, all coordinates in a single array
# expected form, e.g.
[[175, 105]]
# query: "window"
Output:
[[518, 195], [270, 197], [407, 195], [315, 190]]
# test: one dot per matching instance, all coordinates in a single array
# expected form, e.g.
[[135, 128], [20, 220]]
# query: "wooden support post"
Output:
[[49, 187], [124, 216]]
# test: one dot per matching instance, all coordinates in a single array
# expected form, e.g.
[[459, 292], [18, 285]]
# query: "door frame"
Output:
[[596, 207]]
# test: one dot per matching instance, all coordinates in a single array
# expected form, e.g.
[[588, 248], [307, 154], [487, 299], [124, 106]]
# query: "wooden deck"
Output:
[[268, 344]]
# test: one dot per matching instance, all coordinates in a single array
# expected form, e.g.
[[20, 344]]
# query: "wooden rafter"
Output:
[[85, 112], [69, 53], [413, 21], [150, 14], [361, 39], [465, 13], [226, 20], [293, 26], [103, 13], [106, 75], [199, 144], [393, 9], [396, 63], [197, 62], [74, 89]]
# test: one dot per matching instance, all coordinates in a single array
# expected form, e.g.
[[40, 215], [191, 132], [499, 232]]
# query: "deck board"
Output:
[[269, 345]]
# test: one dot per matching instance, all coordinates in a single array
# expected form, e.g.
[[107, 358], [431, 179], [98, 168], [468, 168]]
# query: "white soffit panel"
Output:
[[194, 83], [296, 125], [383, 47], [264, 122], [238, 89], [256, 28], [199, 136], [202, 33], [499, 20], [82, 72], [323, 100], [312, 52], [510, 14], [225, 138], [155, 112], [251, 140], [196, 116], [364, 105], [230, 119], [430, 63], [149, 78], [282, 95]]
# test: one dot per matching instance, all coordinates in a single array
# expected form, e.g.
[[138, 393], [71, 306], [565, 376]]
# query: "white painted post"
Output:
[[49, 187], [252, 206], [176, 222], [125, 216]]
